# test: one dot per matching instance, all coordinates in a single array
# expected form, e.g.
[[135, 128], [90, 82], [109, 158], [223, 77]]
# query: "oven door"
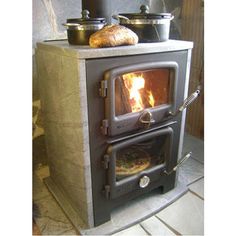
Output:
[[138, 95], [137, 162]]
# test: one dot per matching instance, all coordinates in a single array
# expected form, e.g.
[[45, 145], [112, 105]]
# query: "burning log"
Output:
[[122, 98]]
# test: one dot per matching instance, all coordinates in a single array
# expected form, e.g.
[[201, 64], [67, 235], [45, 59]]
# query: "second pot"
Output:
[[149, 27]]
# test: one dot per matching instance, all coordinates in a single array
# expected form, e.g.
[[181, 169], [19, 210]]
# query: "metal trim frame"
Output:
[[186, 85], [128, 136], [127, 122], [118, 188]]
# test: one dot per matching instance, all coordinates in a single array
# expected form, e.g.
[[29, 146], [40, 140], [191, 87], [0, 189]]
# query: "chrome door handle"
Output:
[[185, 158], [186, 102]]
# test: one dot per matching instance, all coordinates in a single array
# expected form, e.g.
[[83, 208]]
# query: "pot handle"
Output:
[[70, 24], [118, 17]]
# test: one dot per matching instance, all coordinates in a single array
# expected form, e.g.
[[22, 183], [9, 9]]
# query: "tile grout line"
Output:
[[168, 226], [196, 194], [144, 229], [198, 161], [194, 181], [202, 177]]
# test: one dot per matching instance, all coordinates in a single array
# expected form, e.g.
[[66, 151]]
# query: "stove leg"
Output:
[[102, 217], [169, 185]]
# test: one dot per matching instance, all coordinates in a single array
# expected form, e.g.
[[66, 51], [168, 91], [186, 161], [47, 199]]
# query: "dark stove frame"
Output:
[[95, 69]]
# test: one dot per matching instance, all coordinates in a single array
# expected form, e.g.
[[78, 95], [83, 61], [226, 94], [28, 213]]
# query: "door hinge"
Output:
[[107, 191], [104, 127], [105, 162], [103, 88]]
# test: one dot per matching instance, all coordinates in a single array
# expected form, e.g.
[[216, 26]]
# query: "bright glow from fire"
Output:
[[151, 99], [134, 83]]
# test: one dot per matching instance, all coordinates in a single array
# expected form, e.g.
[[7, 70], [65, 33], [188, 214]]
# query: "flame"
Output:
[[134, 83], [151, 99]]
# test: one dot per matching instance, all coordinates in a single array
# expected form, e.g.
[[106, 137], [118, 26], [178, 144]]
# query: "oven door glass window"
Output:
[[141, 156], [139, 90]]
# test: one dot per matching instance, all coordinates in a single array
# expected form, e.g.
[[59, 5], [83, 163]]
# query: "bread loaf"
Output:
[[113, 35]]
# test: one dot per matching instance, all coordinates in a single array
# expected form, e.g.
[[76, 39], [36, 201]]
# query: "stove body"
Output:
[[92, 123]]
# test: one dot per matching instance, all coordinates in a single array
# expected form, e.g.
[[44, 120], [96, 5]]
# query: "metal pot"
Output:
[[80, 29], [149, 27]]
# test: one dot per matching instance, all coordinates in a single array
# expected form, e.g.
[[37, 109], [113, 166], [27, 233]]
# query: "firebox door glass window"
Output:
[[142, 89], [141, 156]]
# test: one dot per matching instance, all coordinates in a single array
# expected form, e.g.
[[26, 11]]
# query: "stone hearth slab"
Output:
[[123, 217], [191, 171], [67, 208], [137, 210]]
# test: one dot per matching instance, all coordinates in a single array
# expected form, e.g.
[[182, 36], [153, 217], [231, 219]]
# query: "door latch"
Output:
[[103, 88], [107, 190], [105, 162], [146, 119], [104, 127]]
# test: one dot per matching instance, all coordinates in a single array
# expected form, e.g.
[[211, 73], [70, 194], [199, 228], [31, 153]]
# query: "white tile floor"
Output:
[[198, 188], [185, 216], [156, 227]]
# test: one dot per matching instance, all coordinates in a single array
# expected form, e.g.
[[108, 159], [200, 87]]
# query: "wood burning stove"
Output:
[[112, 125]]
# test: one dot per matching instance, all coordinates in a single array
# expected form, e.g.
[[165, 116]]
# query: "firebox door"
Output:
[[138, 162], [138, 95]]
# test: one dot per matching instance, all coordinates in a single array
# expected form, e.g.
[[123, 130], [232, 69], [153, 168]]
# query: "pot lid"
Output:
[[85, 19], [144, 14]]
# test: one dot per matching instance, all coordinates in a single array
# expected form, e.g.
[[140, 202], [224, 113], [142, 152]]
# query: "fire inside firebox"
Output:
[[143, 89]]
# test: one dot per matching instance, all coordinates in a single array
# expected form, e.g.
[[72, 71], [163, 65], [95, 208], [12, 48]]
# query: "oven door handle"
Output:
[[181, 161], [186, 102]]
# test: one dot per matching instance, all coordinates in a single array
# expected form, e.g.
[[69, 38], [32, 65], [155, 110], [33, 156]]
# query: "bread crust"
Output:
[[113, 35]]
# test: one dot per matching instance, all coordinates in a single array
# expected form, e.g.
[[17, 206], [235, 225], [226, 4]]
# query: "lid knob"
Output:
[[85, 14], [144, 9]]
